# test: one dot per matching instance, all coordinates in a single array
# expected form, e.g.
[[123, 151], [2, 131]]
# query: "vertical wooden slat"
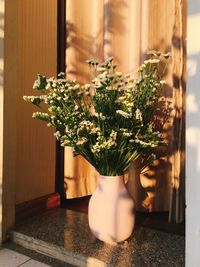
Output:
[[2, 12], [36, 53]]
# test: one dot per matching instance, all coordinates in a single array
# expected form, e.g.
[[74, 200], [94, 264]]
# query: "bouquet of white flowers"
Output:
[[110, 122]]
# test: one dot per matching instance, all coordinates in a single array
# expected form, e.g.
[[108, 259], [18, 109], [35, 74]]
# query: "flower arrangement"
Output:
[[110, 122]]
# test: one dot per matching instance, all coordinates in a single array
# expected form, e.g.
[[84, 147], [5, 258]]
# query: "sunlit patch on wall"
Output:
[[192, 67], [192, 105]]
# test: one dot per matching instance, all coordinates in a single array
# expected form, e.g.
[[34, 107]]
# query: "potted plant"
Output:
[[110, 122]]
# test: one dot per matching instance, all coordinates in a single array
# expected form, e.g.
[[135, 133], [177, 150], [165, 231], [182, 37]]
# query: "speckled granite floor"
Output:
[[65, 235]]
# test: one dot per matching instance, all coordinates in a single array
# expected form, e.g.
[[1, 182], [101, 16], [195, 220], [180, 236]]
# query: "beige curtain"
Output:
[[125, 29], [85, 39]]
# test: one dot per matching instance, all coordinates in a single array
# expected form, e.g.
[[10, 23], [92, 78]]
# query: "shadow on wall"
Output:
[[154, 181], [174, 131], [193, 134], [193, 92], [154, 184], [91, 45], [193, 114], [86, 41]]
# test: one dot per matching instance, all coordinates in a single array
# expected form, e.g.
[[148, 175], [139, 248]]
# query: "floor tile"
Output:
[[36, 256], [33, 263], [9, 258]]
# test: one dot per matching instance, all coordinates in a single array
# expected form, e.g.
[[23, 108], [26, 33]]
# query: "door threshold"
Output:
[[154, 220], [65, 235]]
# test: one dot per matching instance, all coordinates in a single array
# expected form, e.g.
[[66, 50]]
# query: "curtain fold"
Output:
[[126, 30], [85, 31]]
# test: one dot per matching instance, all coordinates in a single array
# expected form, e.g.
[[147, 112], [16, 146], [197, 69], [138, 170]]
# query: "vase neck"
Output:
[[108, 182], [104, 177]]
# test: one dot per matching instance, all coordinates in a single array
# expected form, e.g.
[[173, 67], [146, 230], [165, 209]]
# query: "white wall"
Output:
[[1, 106], [193, 136]]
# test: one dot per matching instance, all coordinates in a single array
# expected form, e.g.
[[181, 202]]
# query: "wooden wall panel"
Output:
[[36, 53]]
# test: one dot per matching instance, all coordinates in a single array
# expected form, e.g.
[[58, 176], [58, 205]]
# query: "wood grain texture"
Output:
[[36, 43], [2, 19], [37, 53], [9, 117]]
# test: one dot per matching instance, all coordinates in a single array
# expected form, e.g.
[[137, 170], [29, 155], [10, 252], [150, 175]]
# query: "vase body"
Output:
[[111, 210]]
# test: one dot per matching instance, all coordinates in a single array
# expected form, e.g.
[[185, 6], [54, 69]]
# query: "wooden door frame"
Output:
[[61, 67], [8, 129]]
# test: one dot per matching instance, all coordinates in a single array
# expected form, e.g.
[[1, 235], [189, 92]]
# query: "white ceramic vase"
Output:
[[111, 210]]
